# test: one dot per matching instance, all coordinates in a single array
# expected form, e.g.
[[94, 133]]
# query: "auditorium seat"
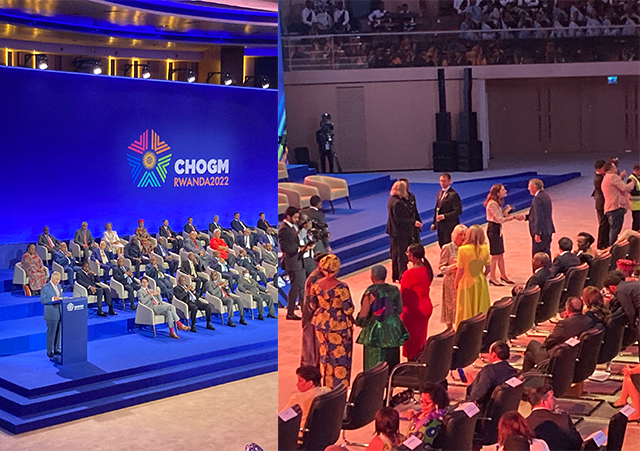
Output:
[[217, 306], [247, 302], [504, 398], [590, 343], [523, 314], [146, 317], [81, 292], [20, 275], [44, 254], [598, 271], [324, 420], [576, 278], [179, 274], [182, 309], [559, 372], [633, 252], [497, 323], [283, 203], [95, 267], [456, 432], [618, 251], [269, 270], [75, 250], [613, 334], [298, 195], [330, 188], [283, 174], [468, 341], [118, 291], [288, 431], [273, 292], [550, 299], [56, 267]]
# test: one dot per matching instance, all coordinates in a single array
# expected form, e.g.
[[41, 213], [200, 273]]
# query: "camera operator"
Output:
[[307, 243], [324, 138], [319, 230]]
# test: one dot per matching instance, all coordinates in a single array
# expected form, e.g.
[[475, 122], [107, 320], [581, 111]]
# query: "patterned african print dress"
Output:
[[145, 240], [427, 428], [33, 266], [333, 320]]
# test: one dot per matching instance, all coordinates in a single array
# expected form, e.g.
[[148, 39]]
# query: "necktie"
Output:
[[50, 242], [246, 241], [56, 288], [104, 257], [221, 289], [193, 270], [224, 266], [191, 295], [160, 274], [85, 237]]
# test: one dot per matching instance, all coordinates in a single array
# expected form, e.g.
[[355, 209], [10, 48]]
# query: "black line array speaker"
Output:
[[467, 126], [443, 126], [442, 94], [469, 156], [444, 156], [466, 90]]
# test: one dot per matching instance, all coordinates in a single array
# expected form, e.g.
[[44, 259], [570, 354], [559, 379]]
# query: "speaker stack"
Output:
[[444, 149], [468, 149]]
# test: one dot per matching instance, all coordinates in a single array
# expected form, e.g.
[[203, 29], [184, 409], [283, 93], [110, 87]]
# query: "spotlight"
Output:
[[265, 82], [42, 61], [144, 70], [225, 78], [191, 76], [146, 73], [88, 65]]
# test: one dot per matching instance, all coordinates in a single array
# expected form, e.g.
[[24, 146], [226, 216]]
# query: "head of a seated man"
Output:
[[134, 241], [120, 261], [182, 280], [216, 218], [315, 201], [243, 252], [565, 244], [574, 306], [192, 256], [216, 254], [378, 274], [261, 215], [540, 260], [165, 223], [236, 216], [193, 234], [247, 232], [636, 169], [63, 247], [308, 378], [584, 241], [154, 260], [268, 246], [85, 266], [189, 220], [144, 282], [161, 240], [84, 226], [46, 230], [542, 397], [216, 233], [498, 351], [103, 245]]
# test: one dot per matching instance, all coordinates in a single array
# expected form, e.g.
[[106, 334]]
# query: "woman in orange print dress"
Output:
[[333, 320]]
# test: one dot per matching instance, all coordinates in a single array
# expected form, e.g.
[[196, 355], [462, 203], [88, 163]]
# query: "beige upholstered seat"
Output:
[[298, 194], [283, 174], [283, 203], [330, 188]]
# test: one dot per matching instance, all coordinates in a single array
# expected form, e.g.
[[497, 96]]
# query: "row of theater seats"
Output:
[[299, 195]]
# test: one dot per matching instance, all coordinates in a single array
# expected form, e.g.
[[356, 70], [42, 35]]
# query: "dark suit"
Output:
[[265, 238], [134, 253], [194, 303], [163, 252], [79, 239], [106, 267], [293, 264], [190, 227], [199, 281], [225, 234], [241, 241], [563, 262], [628, 295], [556, 429], [319, 217], [130, 285], [162, 281], [603, 221], [43, 240], [239, 226], [172, 237], [487, 380], [67, 263], [256, 273], [448, 203], [263, 225], [541, 222], [569, 327], [538, 278], [90, 280], [400, 225], [413, 206], [52, 316], [231, 277]]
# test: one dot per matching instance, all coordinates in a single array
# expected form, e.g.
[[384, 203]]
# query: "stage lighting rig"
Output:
[[191, 76], [42, 62], [144, 70], [224, 80], [264, 81], [88, 65]]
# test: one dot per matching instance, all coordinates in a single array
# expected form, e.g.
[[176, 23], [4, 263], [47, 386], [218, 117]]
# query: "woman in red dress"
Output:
[[417, 307]]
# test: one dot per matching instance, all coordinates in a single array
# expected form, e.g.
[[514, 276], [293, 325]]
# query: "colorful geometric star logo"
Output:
[[148, 168]]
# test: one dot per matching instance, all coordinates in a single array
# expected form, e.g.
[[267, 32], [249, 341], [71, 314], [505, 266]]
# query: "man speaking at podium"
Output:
[[49, 295]]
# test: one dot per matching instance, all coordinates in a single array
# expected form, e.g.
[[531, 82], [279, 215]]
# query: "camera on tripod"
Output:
[[318, 231]]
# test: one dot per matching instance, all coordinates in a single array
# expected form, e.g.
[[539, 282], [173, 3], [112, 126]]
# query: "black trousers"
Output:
[[445, 228], [136, 265], [200, 284], [635, 216], [100, 294], [533, 355], [399, 259], [328, 154], [199, 305], [603, 230], [543, 246], [135, 286], [296, 290]]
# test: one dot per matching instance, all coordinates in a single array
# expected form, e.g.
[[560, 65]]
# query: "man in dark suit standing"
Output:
[[162, 251], [541, 271], [84, 239], [292, 260], [319, 220], [50, 242], [573, 324], [447, 211], [172, 237], [50, 294], [598, 197], [565, 259], [540, 218], [88, 279], [491, 376], [413, 206], [555, 428]]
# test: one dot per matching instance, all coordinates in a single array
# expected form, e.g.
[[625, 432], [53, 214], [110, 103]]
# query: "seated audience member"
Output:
[[584, 250], [218, 244], [156, 272], [152, 299], [225, 234], [259, 294], [185, 293], [270, 237], [387, 427], [309, 388], [263, 224], [220, 289], [90, 280], [50, 242], [491, 376], [191, 266], [573, 324], [556, 429], [626, 267], [102, 257], [36, 272], [162, 251], [112, 239], [630, 388], [426, 424], [65, 259], [565, 259], [133, 252], [84, 239], [172, 237], [247, 241], [269, 255], [512, 425], [595, 308], [541, 270], [124, 275], [192, 244], [190, 227], [256, 271], [625, 295], [219, 264], [146, 245], [238, 225]]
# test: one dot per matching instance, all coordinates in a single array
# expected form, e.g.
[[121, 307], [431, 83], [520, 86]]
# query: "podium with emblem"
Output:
[[74, 330]]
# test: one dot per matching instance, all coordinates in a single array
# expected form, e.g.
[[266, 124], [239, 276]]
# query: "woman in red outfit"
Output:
[[417, 308]]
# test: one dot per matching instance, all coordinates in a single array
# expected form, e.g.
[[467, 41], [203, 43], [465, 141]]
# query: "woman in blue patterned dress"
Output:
[[333, 320], [426, 424]]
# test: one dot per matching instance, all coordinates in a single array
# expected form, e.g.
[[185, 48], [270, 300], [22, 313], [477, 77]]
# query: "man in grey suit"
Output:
[[269, 257], [192, 244], [84, 239], [48, 241], [49, 295], [219, 288], [260, 294], [153, 300]]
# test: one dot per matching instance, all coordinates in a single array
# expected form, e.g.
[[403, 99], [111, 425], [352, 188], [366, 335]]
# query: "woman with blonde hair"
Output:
[[496, 216], [448, 267], [471, 282], [400, 228], [333, 320]]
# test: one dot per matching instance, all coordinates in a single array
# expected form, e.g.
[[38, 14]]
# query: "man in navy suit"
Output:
[[219, 264], [565, 259], [246, 241], [256, 271], [48, 241], [270, 237], [541, 272], [124, 275], [156, 272], [103, 257], [239, 226], [50, 294], [172, 237], [89, 280], [64, 258], [540, 218], [162, 251], [190, 227]]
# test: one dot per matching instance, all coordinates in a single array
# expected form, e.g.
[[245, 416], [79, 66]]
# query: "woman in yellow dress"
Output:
[[471, 282]]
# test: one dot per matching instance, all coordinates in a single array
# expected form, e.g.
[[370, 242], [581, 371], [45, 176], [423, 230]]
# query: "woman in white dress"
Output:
[[112, 239]]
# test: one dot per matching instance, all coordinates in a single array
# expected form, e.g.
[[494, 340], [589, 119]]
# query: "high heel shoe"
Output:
[[614, 405], [505, 280], [495, 284]]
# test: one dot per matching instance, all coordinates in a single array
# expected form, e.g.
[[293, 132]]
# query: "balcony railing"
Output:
[[462, 48]]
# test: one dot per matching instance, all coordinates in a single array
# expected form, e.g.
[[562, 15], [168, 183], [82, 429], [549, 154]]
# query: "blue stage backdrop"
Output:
[[100, 149]]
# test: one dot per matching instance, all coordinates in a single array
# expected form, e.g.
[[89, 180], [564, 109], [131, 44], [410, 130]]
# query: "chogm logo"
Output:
[[70, 307], [148, 167]]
